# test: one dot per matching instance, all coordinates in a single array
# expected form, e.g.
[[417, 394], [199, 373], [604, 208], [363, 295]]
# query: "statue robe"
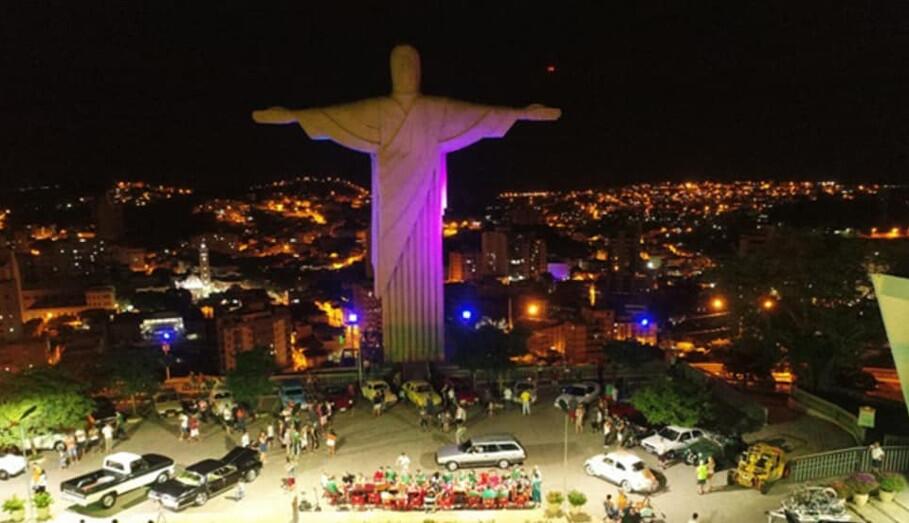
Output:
[[408, 149]]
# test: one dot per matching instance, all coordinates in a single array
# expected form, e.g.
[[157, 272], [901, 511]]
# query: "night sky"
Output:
[[674, 90]]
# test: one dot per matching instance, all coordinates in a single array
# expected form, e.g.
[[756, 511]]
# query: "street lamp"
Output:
[[533, 310], [353, 321], [717, 303], [768, 304]]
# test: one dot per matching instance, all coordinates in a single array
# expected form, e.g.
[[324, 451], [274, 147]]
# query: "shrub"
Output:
[[554, 497], [893, 482], [13, 504], [577, 499], [862, 483], [42, 499], [843, 490]]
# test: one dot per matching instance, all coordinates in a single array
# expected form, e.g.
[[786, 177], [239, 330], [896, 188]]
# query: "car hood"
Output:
[[657, 440], [448, 451], [173, 488]]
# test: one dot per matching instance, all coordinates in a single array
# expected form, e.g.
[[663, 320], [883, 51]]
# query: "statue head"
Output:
[[405, 70]]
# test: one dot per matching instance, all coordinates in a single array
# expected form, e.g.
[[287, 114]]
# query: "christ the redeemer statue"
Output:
[[407, 135]]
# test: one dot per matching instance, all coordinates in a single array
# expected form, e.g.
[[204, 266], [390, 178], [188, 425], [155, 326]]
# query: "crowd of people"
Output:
[[397, 488]]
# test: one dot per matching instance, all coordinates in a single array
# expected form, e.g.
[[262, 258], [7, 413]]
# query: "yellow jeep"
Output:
[[759, 467]]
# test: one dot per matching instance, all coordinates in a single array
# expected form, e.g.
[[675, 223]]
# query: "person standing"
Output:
[[461, 415], [244, 439], [184, 426], [525, 403], [270, 432], [711, 469], [702, 472], [108, 433], [263, 447], [877, 456], [612, 512], [424, 420], [403, 463], [507, 396], [227, 417], [194, 429], [536, 486], [579, 418], [331, 440], [39, 485], [460, 433], [295, 513], [377, 401], [607, 432]]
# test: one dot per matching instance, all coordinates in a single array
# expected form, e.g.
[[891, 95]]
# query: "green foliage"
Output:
[[893, 482], [630, 353], [250, 379], [824, 313], [751, 358], [60, 400], [135, 372], [42, 499], [674, 402], [488, 347], [554, 497], [577, 498], [13, 503]]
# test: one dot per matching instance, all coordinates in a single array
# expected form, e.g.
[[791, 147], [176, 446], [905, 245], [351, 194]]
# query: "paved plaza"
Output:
[[367, 442]]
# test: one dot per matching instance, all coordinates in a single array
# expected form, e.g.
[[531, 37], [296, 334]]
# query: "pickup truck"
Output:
[[120, 473]]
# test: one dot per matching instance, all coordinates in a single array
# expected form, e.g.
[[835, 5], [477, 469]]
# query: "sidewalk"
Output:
[[877, 511]]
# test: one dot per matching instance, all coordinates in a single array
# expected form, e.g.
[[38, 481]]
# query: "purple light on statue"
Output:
[[352, 318]]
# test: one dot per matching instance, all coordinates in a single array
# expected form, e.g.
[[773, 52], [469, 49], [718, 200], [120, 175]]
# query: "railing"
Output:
[[845, 461], [822, 408]]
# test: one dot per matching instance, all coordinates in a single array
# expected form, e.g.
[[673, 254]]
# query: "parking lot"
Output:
[[366, 442]]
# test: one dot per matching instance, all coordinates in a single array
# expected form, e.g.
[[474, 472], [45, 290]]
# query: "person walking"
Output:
[[184, 426], [877, 456], [263, 447], [702, 472], [403, 463], [108, 433], [525, 403], [579, 418]]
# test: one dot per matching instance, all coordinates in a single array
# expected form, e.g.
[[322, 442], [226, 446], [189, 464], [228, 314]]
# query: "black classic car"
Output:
[[199, 482]]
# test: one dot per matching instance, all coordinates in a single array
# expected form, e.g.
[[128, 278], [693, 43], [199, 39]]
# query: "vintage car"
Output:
[[585, 392], [421, 393], [201, 481], [624, 469], [373, 388], [120, 473]]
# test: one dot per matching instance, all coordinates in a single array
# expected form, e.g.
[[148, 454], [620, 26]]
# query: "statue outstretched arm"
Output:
[[354, 125], [467, 123]]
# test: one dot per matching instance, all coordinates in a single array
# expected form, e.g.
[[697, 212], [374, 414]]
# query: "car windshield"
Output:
[[189, 478], [637, 466], [379, 388], [668, 433], [421, 388], [573, 391], [464, 446], [293, 391]]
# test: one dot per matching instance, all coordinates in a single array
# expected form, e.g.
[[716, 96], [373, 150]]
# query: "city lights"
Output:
[[466, 314], [352, 318], [768, 304], [533, 309], [718, 304]]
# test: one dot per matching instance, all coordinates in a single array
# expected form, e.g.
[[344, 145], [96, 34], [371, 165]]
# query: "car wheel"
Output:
[[589, 470], [162, 478], [504, 464], [201, 499], [452, 466], [625, 485], [250, 475], [4, 475], [59, 446], [109, 499], [690, 458]]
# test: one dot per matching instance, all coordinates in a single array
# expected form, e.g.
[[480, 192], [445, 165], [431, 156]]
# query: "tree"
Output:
[[489, 348], [250, 378], [61, 403], [751, 358], [807, 299], [673, 402], [630, 353], [135, 372]]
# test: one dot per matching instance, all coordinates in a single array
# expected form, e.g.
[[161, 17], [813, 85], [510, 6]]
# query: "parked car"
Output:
[[201, 481], [625, 410], [57, 440], [464, 392], [11, 465], [584, 392], [725, 451], [671, 437], [104, 412], [502, 450], [421, 394], [339, 396], [624, 469], [372, 388], [167, 402], [292, 390], [120, 473], [520, 386]]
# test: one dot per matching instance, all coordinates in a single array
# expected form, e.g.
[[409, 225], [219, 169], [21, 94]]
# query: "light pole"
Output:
[[353, 321], [565, 457]]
